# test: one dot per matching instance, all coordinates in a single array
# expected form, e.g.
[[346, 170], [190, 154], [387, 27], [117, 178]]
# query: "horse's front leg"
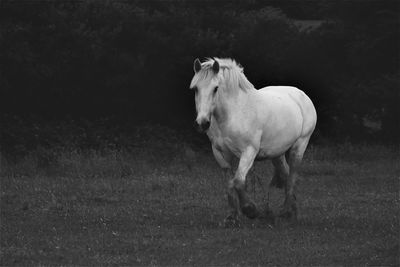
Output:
[[232, 220], [224, 159], [237, 196]]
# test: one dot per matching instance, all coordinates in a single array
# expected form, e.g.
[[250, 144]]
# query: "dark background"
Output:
[[77, 73]]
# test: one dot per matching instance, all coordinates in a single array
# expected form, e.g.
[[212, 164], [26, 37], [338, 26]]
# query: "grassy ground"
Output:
[[157, 207]]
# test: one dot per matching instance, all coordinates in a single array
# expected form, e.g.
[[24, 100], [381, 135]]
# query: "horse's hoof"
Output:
[[231, 222], [288, 215], [266, 214], [250, 210]]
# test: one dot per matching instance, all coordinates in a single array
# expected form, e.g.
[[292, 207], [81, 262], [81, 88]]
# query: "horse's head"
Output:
[[205, 83]]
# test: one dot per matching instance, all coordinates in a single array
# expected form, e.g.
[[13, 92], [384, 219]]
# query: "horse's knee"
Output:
[[237, 184]]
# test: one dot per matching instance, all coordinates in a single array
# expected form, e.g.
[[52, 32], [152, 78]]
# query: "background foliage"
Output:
[[67, 65]]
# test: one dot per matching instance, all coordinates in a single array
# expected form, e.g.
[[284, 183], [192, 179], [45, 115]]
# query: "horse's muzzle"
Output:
[[203, 126]]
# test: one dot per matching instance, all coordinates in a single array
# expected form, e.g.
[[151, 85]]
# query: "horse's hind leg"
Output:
[[281, 172], [294, 158]]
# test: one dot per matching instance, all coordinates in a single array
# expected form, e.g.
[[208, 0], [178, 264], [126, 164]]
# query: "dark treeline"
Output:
[[132, 60]]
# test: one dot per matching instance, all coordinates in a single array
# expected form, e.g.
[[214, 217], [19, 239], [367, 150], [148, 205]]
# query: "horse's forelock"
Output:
[[203, 74]]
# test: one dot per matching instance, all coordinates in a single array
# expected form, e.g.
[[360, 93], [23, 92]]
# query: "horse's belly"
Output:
[[263, 156], [272, 152], [277, 141]]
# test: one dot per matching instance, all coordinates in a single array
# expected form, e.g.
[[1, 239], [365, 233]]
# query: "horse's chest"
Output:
[[228, 143]]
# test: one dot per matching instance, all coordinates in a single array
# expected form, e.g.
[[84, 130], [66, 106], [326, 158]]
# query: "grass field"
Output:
[[166, 207]]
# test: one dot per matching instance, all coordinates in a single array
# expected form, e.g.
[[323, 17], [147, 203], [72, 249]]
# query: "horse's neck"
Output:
[[230, 103]]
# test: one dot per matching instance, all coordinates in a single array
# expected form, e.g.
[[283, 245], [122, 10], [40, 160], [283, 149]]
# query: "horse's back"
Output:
[[293, 94]]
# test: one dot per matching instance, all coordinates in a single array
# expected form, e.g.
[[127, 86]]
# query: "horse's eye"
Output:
[[215, 89]]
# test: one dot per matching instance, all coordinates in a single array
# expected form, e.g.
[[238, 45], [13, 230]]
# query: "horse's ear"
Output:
[[197, 65], [215, 67]]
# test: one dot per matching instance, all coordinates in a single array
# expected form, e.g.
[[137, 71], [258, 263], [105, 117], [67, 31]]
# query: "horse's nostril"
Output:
[[202, 126], [198, 126], [205, 125]]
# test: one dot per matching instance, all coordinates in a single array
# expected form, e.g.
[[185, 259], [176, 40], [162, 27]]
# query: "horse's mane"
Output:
[[231, 71]]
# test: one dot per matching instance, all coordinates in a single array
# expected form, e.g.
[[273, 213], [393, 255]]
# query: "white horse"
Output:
[[274, 122]]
